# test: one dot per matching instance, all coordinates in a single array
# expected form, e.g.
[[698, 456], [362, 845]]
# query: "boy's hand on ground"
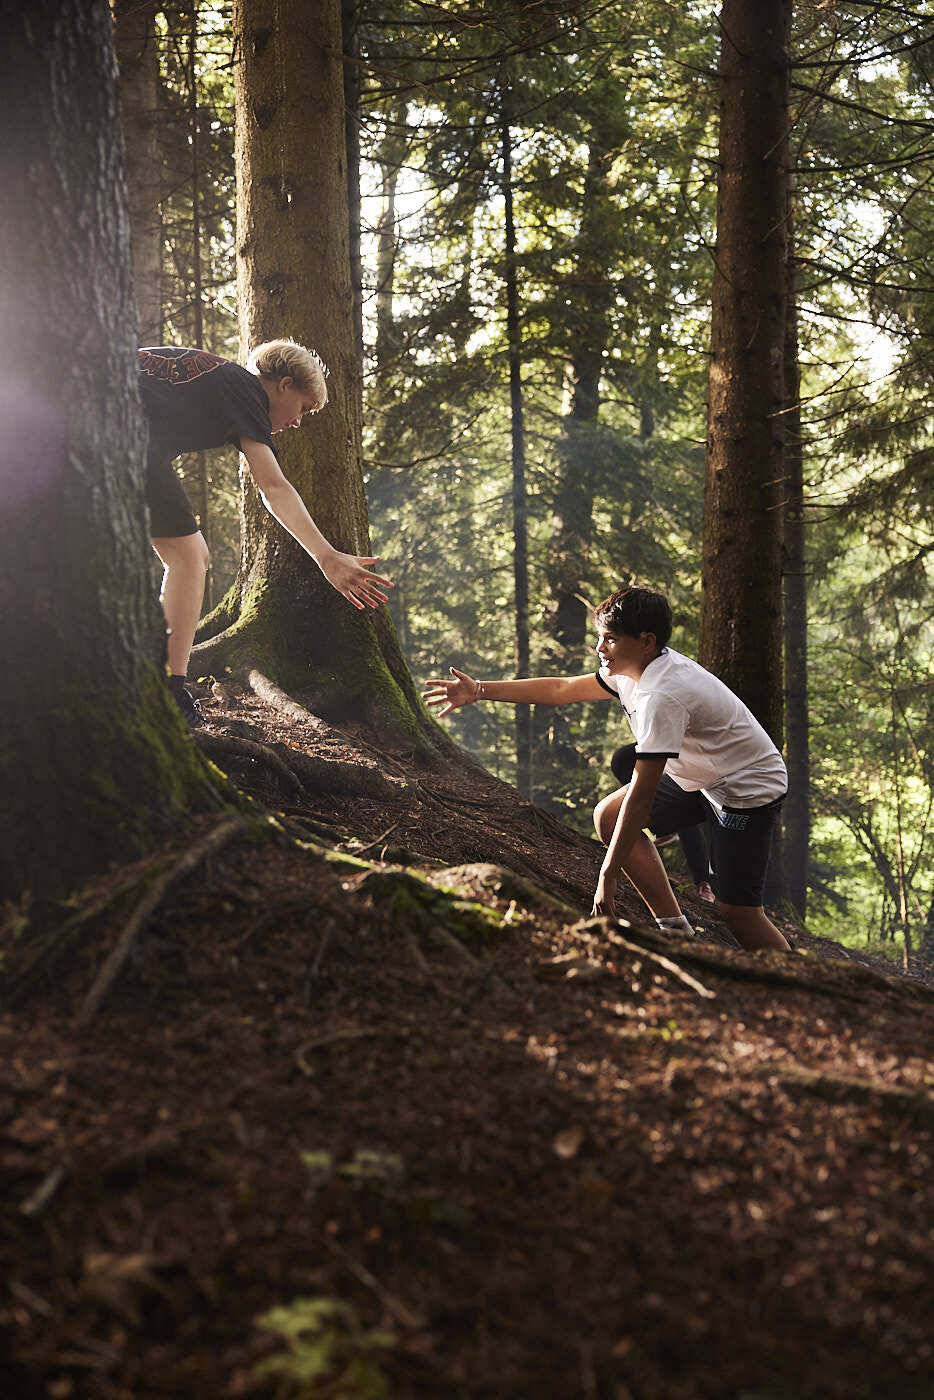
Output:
[[348, 574], [462, 690], [604, 900]]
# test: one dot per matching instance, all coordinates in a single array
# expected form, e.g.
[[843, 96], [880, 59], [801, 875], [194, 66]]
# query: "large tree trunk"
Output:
[[94, 764], [135, 40], [294, 279], [742, 564]]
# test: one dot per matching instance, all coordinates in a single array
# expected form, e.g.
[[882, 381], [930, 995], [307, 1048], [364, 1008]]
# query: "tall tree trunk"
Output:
[[138, 57], [197, 281], [797, 833], [294, 279], [350, 31], [94, 764], [519, 500], [568, 619], [742, 565], [391, 153]]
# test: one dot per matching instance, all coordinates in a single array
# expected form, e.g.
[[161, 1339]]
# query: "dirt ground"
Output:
[[372, 1066]]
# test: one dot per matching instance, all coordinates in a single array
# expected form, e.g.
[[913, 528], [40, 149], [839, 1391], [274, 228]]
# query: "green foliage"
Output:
[[328, 1351]]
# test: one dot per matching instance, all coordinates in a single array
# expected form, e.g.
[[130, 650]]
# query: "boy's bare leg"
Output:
[[643, 866], [186, 560], [751, 927]]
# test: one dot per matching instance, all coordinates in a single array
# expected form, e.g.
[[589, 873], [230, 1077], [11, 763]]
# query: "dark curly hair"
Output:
[[633, 611]]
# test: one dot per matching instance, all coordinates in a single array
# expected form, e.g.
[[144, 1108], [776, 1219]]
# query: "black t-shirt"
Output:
[[194, 400]]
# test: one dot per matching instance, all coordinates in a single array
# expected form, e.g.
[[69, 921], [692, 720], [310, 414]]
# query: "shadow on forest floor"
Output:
[[511, 1152]]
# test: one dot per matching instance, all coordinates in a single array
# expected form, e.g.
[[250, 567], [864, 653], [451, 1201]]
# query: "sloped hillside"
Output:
[[356, 1102]]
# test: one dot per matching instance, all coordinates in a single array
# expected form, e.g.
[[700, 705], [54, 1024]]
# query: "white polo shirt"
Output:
[[712, 741]]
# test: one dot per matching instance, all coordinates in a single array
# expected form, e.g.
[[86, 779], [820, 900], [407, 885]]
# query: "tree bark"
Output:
[[137, 55], [742, 566], [294, 279], [94, 764], [350, 32], [797, 832], [569, 618], [519, 500]]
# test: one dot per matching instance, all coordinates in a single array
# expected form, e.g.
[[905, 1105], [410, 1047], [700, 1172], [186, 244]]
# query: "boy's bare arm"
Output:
[[348, 573], [462, 689], [633, 818]]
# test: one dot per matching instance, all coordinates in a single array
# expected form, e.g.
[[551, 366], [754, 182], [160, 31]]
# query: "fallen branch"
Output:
[[219, 836], [670, 967]]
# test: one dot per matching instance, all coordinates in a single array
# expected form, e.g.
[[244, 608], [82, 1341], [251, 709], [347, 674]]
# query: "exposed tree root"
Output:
[[44, 951], [225, 830], [299, 772], [329, 775], [219, 747], [911, 1102], [283, 703], [853, 980]]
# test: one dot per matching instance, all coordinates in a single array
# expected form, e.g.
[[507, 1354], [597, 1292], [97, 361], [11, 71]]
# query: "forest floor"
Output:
[[391, 1081]]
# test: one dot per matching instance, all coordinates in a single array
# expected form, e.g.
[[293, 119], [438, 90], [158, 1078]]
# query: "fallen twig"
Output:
[[225, 831], [361, 850], [43, 1192], [670, 967], [394, 1306], [320, 1041]]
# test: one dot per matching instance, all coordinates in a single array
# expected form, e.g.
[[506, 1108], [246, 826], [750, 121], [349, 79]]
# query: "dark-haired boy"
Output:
[[701, 755]]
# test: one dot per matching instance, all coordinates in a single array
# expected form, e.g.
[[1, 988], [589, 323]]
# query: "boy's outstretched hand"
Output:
[[348, 574], [462, 690]]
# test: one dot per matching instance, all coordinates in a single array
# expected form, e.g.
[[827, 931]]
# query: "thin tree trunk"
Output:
[[350, 30], [391, 154], [94, 764], [797, 834], [197, 284], [138, 59], [519, 497], [568, 618], [742, 566]]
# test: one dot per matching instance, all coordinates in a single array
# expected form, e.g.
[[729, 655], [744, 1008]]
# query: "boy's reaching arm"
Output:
[[348, 573], [537, 690], [633, 817]]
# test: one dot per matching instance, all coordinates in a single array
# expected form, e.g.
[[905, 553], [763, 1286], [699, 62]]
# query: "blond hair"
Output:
[[278, 359]]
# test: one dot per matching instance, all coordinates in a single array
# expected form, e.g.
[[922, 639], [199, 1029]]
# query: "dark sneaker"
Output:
[[189, 707]]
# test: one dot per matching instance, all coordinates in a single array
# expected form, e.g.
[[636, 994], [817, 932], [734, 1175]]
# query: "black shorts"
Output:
[[740, 838], [170, 512]]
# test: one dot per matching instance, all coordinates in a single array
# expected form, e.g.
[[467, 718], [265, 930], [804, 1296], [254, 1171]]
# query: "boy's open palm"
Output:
[[462, 690]]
